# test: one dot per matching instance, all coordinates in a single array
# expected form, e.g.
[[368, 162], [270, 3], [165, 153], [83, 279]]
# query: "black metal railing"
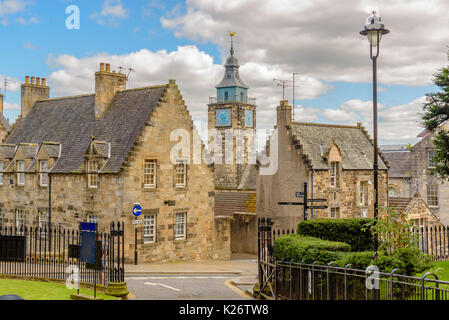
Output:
[[296, 281], [32, 252], [300, 281], [237, 98]]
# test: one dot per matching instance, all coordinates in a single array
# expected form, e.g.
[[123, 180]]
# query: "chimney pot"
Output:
[[44, 81], [108, 67], [102, 66], [38, 81], [1, 103], [33, 80], [27, 79]]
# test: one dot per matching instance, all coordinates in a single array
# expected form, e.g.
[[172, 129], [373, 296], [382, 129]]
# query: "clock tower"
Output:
[[233, 115]]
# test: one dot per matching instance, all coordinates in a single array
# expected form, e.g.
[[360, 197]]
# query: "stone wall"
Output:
[[346, 195], [244, 234], [206, 236], [421, 174]]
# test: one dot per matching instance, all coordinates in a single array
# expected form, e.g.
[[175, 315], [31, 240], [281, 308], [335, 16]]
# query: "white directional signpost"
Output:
[[137, 212]]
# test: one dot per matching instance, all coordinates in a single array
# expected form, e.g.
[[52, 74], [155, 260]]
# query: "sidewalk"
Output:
[[240, 264]]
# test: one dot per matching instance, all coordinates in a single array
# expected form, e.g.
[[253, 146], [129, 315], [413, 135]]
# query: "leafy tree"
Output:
[[436, 113], [394, 231]]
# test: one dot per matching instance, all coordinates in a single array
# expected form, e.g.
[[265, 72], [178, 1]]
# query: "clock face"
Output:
[[223, 118], [249, 118]]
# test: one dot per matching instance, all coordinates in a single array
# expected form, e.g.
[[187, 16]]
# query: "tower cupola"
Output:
[[232, 88]]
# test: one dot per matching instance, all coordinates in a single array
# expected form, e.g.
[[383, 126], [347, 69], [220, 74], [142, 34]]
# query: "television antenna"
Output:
[[130, 70], [5, 85]]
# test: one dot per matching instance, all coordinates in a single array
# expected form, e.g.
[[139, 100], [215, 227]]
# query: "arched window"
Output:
[[393, 192]]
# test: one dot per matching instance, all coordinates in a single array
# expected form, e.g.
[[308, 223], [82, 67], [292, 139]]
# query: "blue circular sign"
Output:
[[137, 210]]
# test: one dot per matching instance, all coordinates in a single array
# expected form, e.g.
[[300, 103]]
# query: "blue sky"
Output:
[[336, 89]]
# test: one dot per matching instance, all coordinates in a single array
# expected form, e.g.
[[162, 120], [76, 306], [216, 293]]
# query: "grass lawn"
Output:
[[33, 290], [441, 269]]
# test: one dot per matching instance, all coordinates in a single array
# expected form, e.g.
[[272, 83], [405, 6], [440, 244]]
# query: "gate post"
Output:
[[117, 287]]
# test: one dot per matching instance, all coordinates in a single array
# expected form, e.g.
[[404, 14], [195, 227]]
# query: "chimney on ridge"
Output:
[[107, 84], [31, 92]]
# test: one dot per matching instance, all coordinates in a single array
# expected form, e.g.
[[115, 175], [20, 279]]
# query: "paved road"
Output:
[[182, 287]]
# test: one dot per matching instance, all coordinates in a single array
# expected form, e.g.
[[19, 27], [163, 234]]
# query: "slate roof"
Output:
[[400, 164], [232, 75], [7, 151], [399, 203], [5, 123], [393, 148], [229, 203], [71, 122], [355, 147]]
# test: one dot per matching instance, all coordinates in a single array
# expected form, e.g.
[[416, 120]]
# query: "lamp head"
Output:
[[374, 29]]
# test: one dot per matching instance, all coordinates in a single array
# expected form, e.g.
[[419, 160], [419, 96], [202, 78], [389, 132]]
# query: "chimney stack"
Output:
[[1, 103], [107, 84], [31, 92], [284, 114]]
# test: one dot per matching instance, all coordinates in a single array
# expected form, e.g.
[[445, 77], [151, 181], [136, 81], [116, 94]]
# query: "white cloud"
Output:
[[110, 11], [396, 124], [11, 106], [13, 84], [30, 46], [194, 70], [9, 7], [322, 38]]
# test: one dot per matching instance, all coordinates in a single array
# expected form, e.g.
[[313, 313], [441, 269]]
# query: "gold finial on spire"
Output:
[[232, 34]]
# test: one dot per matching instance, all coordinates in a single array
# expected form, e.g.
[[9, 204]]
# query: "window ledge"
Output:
[[150, 244], [150, 189], [180, 241], [181, 189]]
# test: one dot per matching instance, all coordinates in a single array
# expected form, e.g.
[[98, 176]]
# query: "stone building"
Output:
[[411, 171], [232, 114], [337, 163], [434, 191], [415, 209], [399, 158], [97, 155], [5, 127]]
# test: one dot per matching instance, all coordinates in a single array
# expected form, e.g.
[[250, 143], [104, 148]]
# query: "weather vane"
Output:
[[232, 34]]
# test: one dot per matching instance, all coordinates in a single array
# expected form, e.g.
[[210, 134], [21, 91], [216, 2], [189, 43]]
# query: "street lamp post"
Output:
[[374, 30]]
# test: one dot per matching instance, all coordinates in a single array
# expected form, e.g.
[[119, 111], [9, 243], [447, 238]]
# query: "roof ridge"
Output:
[[67, 97], [144, 88], [325, 125]]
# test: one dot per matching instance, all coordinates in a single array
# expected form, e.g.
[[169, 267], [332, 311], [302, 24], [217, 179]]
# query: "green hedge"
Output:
[[299, 248], [408, 261], [341, 230]]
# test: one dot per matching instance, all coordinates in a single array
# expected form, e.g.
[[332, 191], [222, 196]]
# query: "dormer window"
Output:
[[43, 175], [92, 173], [334, 174], [20, 172]]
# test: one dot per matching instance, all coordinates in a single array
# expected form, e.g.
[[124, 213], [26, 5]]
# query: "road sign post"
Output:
[[137, 212], [306, 202]]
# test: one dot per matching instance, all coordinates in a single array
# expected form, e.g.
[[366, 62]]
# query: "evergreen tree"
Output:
[[436, 112]]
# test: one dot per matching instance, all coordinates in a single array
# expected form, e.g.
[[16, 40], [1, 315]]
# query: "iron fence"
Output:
[[296, 281], [32, 252], [299, 281]]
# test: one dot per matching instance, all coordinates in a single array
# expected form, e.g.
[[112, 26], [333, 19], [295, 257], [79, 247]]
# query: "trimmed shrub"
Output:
[[358, 260], [298, 248], [408, 261], [351, 231]]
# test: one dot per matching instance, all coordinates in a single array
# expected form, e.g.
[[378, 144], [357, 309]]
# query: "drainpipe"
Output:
[[49, 209], [312, 194]]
